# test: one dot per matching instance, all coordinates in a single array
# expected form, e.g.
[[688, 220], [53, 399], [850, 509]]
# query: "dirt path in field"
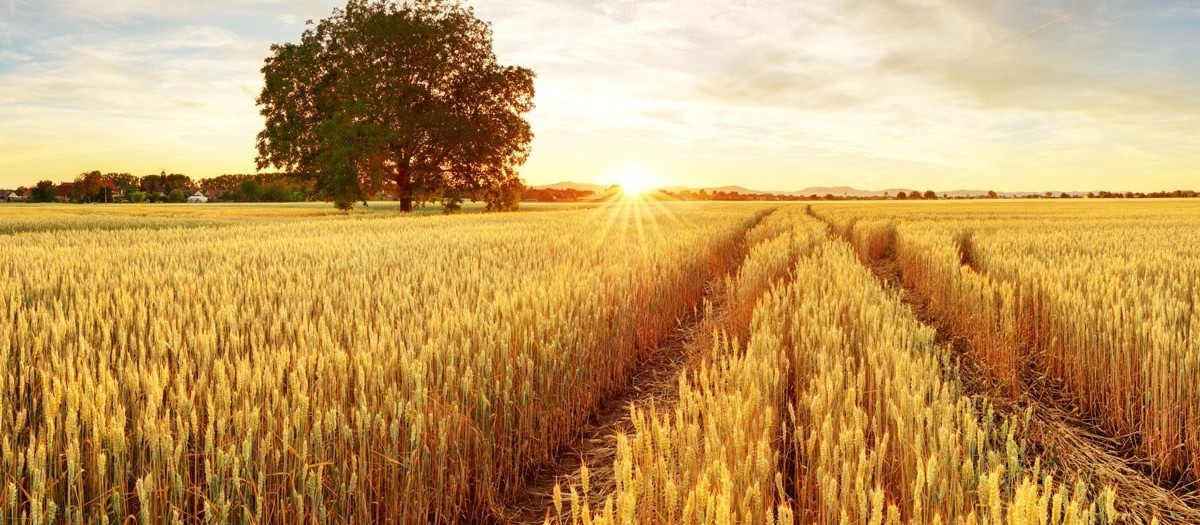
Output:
[[654, 383], [1071, 446]]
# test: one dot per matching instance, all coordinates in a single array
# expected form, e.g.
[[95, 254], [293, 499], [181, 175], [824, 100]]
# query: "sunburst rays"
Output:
[[630, 213]]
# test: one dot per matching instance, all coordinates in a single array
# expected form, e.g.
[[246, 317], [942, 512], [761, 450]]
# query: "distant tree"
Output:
[[136, 197], [122, 181], [223, 185], [154, 184], [177, 196], [178, 181], [409, 93], [44, 191], [87, 186], [1049, 195], [901, 196], [930, 195], [1064, 195], [992, 195], [250, 191], [276, 193], [503, 197]]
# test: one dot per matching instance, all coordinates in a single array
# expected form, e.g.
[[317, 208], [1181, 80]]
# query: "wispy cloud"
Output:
[[868, 92], [769, 93], [134, 85]]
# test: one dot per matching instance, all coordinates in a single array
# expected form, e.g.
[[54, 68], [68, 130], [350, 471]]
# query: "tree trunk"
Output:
[[404, 185]]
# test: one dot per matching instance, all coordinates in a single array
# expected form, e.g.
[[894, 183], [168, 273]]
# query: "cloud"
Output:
[[919, 90], [133, 11], [928, 93], [133, 85]]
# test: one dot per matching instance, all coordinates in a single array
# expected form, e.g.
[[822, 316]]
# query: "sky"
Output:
[[767, 94]]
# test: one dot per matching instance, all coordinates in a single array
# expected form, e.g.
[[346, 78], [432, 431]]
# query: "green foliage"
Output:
[[165, 184], [176, 196], [263, 187], [402, 95], [250, 191], [136, 197], [87, 187], [451, 201], [123, 181], [503, 197], [176, 181], [44, 191], [154, 183], [276, 193]]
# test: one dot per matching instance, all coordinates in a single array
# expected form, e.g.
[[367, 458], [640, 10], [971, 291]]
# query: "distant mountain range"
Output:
[[580, 186], [837, 191]]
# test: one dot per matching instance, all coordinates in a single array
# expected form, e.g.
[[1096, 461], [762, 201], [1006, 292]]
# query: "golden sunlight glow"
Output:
[[635, 179]]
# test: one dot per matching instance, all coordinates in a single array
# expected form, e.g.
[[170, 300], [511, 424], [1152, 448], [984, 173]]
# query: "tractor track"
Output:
[[1073, 448], [655, 383]]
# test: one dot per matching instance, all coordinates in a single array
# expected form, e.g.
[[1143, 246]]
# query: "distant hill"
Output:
[[841, 191], [581, 186], [714, 189], [846, 191], [818, 191]]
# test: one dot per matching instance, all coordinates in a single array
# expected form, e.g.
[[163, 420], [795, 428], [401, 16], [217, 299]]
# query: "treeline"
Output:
[[1177, 194], [703, 195], [95, 186], [554, 195], [99, 187]]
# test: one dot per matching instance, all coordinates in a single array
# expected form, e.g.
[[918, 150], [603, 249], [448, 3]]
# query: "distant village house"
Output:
[[64, 191], [12, 196], [198, 198]]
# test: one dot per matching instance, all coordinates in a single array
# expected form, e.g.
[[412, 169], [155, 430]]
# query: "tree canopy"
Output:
[[44, 191], [405, 94]]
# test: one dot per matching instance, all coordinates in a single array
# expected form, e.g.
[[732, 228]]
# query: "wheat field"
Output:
[[846, 363]]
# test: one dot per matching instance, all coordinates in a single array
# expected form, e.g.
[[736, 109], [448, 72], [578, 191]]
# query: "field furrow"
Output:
[[1005, 353], [654, 383], [837, 409]]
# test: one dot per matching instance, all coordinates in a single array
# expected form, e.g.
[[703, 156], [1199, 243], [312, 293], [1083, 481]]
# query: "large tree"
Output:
[[405, 94]]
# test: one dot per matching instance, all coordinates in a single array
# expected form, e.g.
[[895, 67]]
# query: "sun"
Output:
[[635, 179]]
